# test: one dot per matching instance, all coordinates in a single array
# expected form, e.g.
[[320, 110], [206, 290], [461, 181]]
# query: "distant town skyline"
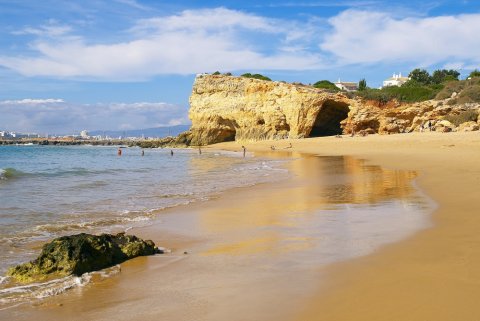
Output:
[[129, 64]]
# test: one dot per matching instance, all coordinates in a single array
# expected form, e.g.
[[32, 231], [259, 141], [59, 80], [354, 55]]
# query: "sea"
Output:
[[50, 191]]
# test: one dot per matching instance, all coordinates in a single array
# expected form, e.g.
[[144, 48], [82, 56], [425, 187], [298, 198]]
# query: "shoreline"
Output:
[[432, 275], [341, 286]]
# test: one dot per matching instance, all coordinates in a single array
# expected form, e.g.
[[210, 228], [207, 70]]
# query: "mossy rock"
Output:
[[81, 253]]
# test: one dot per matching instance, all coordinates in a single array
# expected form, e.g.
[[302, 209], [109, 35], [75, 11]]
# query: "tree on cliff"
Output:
[[362, 85], [420, 76], [443, 75], [475, 73]]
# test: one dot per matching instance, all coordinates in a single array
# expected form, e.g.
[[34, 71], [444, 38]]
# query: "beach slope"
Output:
[[434, 275]]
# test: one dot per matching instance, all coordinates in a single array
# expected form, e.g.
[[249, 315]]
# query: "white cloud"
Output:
[[219, 19], [372, 37], [29, 101], [133, 4], [190, 42], [51, 29], [59, 116], [321, 4]]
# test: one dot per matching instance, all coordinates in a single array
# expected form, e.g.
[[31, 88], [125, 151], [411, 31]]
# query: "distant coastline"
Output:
[[143, 143]]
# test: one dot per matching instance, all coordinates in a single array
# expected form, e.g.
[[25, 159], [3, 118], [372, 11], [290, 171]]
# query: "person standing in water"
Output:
[[119, 152], [171, 152], [143, 152], [244, 150]]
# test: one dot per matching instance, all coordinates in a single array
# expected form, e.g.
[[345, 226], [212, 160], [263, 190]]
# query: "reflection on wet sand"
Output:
[[276, 223]]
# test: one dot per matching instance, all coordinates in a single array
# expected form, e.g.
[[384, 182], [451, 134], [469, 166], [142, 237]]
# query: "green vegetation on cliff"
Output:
[[256, 76], [422, 86], [463, 91], [463, 117], [412, 92], [325, 84]]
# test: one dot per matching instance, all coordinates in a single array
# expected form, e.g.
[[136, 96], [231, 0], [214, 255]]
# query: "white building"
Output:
[[346, 85], [395, 80], [84, 134]]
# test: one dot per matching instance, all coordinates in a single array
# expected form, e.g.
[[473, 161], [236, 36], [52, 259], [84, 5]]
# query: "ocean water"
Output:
[[49, 191]]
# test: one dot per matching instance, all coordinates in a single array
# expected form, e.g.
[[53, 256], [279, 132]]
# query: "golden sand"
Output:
[[434, 275]]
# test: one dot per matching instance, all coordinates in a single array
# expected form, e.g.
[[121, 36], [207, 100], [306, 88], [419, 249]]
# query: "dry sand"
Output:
[[236, 270], [434, 275]]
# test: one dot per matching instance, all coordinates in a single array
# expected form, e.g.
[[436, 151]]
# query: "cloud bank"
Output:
[[361, 37], [56, 116], [206, 40], [191, 42]]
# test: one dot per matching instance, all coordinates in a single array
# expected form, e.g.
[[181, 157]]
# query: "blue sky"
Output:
[[123, 64]]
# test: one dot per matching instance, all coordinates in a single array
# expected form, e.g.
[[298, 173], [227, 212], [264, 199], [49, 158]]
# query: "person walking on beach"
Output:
[[244, 150], [119, 152], [199, 150]]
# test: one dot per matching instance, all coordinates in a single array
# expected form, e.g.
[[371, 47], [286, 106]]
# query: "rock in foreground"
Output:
[[81, 253]]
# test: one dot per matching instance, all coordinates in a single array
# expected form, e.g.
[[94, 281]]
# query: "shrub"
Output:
[[375, 94], [410, 93], [470, 94], [463, 117], [325, 84], [475, 73], [256, 76], [449, 89], [216, 73]]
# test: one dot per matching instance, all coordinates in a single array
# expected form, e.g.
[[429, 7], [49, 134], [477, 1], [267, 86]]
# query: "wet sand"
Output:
[[434, 275], [253, 253]]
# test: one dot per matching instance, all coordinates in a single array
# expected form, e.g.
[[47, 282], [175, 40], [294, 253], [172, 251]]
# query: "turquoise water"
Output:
[[48, 191]]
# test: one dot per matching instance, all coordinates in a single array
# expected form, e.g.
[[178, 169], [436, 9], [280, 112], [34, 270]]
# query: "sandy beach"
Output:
[[433, 275], [249, 262]]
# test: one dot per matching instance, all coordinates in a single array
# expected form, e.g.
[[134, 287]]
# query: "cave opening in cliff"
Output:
[[328, 119]]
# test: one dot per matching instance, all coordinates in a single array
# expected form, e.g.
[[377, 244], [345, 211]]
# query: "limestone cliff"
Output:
[[224, 108], [392, 118]]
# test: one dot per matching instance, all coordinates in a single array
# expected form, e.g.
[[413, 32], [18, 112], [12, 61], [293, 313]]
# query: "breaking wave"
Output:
[[10, 173], [18, 294]]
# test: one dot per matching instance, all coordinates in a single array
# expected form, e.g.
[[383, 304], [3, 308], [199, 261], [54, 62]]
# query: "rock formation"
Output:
[[395, 118], [81, 253], [225, 108]]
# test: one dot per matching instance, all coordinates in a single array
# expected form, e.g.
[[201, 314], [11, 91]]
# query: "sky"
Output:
[[66, 66]]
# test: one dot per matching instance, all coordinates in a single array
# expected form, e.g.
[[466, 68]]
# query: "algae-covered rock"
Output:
[[81, 253]]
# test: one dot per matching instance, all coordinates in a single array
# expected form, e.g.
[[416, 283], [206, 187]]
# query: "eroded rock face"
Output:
[[224, 108], [404, 118], [81, 253]]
